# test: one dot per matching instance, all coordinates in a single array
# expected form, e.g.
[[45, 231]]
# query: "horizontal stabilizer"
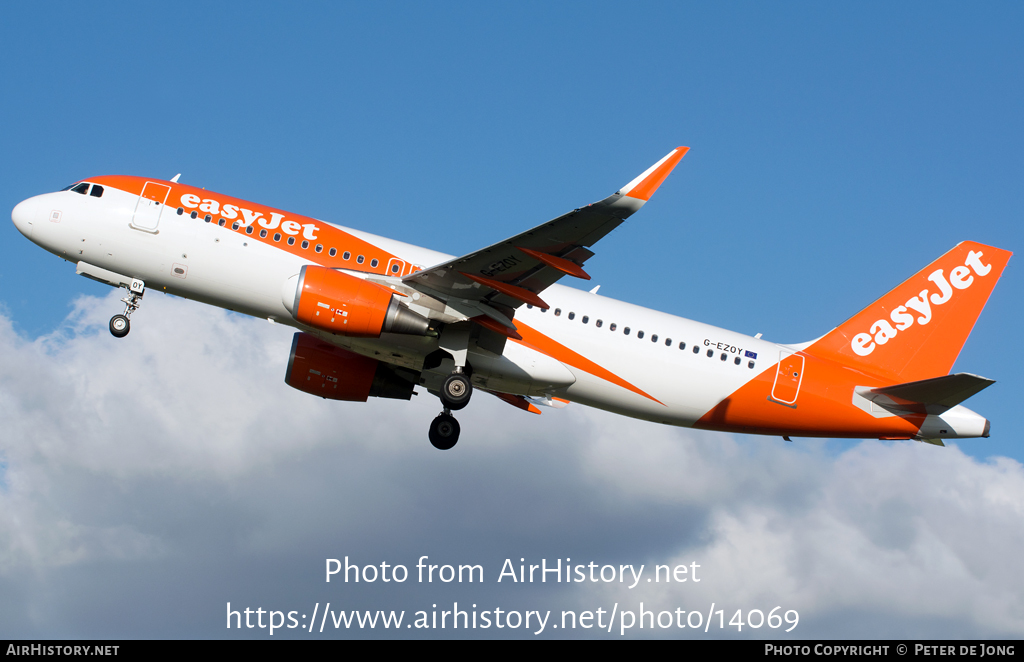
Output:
[[946, 392]]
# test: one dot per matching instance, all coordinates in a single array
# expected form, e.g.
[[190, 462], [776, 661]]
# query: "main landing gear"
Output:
[[444, 431], [120, 324], [457, 389], [455, 394]]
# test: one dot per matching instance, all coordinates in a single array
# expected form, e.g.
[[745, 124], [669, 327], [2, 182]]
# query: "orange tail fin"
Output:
[[916, 331]]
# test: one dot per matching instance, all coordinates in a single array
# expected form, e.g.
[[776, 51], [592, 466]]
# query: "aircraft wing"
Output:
[[496, 280]]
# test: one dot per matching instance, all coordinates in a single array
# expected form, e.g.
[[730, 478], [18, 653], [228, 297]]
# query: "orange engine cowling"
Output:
[[323, 369], [334, 301]]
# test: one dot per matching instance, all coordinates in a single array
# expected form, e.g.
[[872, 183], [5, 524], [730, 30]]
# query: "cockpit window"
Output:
[[81, 188], [67, 188], [97, 191]]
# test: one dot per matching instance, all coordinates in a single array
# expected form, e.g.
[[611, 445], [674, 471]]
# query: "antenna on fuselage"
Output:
[[175, 178]]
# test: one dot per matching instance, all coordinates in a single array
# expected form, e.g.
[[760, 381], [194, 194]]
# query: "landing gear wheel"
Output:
[[444, 432], [456, 391], [119, 326]]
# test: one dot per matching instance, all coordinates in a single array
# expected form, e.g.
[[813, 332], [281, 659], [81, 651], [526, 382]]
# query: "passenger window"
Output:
[[277, 236], [668, 342], [737, 361], [305, 244], [81, 188], [221, 222], [682, 345], [543, 310], [332, 252], [696, 349], [234, 226], [626, 331], [180, 211], [654, 338], [97, 191], [346, 255], [724, 356], [374, 263], [208, 218], [612, 326], [585, 319], [598, 323], [319, 248], [529, 306], [750, 365], [572, 316], [360, 259], [291, 241], [248, 230], [194, 214], [639, 334], [263, 234], [394, 268], [711, 353], [558, 311]]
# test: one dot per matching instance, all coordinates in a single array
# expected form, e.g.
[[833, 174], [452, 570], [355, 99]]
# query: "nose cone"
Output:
[[23, 216]]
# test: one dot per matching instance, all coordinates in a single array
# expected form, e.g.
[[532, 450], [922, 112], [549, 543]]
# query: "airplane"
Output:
[[378, 317]]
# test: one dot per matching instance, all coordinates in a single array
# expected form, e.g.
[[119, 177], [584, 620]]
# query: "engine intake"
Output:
[[337, 302], [322, 369]]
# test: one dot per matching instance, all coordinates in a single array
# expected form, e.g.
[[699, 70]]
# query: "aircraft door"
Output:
[[151, 203], [788, 378]]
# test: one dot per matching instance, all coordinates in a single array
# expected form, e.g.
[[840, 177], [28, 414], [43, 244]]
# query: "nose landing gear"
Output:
[[120, 324]]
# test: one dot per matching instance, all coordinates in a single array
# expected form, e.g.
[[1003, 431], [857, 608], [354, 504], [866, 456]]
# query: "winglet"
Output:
[[644, 186]]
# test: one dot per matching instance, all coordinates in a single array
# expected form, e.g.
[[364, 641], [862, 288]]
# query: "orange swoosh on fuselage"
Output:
[[534, 339]]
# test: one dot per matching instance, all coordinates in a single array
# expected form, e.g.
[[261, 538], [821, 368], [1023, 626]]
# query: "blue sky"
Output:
[[835, 150]]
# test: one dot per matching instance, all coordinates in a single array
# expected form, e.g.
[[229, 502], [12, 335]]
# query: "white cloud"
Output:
[[178, 462]]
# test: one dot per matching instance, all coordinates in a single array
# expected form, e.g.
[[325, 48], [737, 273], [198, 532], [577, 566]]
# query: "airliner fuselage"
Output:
[[486, 327]]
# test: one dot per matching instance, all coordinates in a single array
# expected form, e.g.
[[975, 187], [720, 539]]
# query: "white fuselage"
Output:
[[591, 349], [232, 271]]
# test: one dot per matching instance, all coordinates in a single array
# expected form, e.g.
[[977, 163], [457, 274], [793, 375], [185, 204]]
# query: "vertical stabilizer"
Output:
[[917, 330]]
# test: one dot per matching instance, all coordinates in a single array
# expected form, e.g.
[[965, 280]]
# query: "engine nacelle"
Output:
[[323, 369], [337, 302]]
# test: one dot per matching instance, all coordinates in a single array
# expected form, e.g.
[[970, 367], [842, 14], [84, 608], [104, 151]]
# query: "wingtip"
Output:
[[644, 186]]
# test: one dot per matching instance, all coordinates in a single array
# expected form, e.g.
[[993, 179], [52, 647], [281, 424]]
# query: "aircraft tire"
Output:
[[456, 392], [444, 432], [119, 326]]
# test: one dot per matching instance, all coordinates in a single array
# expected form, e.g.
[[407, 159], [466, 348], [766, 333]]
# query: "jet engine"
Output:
[[323, 369], [348, 306]]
